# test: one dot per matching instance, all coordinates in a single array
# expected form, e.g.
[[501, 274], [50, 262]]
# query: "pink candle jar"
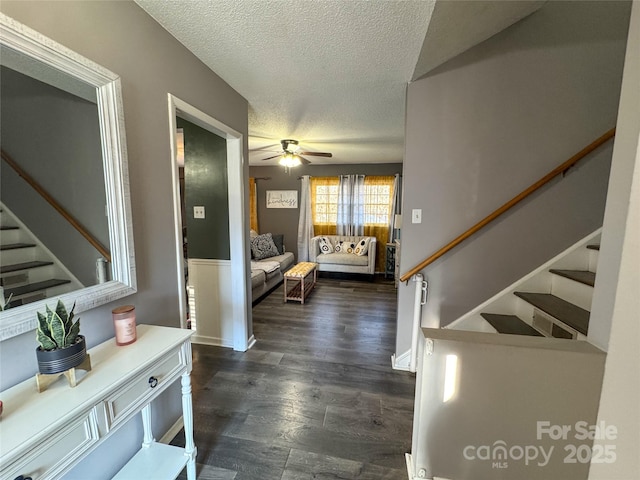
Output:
[[124, 322]]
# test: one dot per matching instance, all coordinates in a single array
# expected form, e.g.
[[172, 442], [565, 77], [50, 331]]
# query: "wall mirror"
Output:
[[80, 162]]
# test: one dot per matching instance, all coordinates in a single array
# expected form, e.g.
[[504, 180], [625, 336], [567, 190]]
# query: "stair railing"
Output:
[[59, 208], [511, 203]]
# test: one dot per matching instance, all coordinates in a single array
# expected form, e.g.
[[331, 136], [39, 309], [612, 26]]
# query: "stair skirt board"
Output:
[[401, 362], [472, 323], [540, 278]]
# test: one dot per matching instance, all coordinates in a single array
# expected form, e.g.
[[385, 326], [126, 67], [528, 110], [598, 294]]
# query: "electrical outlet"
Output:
[[416, 215], [198, 212]]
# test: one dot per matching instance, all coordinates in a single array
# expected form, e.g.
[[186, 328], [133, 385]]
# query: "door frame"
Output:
[[242, 336]]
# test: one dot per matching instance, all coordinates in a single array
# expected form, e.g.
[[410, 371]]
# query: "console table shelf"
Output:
[[43, 435]]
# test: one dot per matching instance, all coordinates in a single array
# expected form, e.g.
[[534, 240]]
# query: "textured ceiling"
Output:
[[331, 74]]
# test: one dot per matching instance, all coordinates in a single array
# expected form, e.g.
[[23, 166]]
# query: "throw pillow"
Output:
[[278, 240], [262, 246], [325, 245], [343, 246], [252, 234], [362, 247], [349, 247]]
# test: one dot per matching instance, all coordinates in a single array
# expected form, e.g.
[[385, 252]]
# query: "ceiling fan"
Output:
[[292, 157]]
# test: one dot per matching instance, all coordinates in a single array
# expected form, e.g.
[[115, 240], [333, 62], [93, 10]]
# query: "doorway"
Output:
[[234, 320]]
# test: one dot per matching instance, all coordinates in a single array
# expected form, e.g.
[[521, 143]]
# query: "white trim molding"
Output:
[[401, 362], [237, 281], [28, 42]]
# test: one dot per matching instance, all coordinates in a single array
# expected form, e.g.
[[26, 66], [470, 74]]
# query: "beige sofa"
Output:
[[343, 262]]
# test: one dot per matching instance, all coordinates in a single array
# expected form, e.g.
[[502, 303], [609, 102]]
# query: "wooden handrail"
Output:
[[67, 216], [514, 201]]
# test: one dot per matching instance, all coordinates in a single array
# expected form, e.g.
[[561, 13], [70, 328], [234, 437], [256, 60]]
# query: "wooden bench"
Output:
[[299, 280]]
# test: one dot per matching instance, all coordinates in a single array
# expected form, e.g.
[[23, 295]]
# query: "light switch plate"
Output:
[[198, 212], [416, 215]]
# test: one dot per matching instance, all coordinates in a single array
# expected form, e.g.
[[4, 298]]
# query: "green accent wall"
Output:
[[206, 184]]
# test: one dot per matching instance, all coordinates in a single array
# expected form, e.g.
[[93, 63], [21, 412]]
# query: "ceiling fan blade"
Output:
[[269, 158], [275, 148], [304, 160], [316, 154]]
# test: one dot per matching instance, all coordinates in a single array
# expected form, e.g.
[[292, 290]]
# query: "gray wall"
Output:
[[205, 173], [123, 38], [55, 137], [285, 220], [489, 123]]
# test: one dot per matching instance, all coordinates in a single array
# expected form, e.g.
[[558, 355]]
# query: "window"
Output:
[[324, 200], [377, 200], [378, 192]]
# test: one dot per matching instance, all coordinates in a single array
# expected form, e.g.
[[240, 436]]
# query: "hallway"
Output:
[[315, 398]]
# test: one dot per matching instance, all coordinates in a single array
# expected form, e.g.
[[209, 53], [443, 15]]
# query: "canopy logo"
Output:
[[500, 453]]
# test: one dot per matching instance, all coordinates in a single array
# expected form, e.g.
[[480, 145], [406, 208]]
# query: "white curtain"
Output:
[[305, 221], [350, 205], [395, 205]]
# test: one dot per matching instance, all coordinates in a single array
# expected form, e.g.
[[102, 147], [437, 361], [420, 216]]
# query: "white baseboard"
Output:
[[173, 431], [401, 362], [407, 457], [213, 341]]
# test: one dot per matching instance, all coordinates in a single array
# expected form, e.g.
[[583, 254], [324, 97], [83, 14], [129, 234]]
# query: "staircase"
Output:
[[552, 301], [28, 270]]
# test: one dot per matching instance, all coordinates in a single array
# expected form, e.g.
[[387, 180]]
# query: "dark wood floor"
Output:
[[315, 398]]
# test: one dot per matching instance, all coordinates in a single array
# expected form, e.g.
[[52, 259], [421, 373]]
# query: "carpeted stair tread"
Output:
[[582, 276], [35, 287], [568, 313], [510, 324], [23, 266]]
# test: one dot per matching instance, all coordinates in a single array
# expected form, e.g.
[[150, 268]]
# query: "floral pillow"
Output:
[[262, 246], [362, 247], [325, 245]]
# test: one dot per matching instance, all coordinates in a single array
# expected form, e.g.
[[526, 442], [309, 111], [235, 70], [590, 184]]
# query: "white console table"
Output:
[[43, 435]]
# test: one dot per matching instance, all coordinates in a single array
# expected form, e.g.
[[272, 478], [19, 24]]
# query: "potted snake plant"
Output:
[[61, 345]]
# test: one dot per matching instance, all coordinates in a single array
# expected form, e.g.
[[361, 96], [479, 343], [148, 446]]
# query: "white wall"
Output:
[[123, 38], [486, 125], [616, 301]]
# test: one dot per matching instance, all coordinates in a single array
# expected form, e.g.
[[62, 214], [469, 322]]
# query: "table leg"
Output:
[[146, 425], [190, 449]]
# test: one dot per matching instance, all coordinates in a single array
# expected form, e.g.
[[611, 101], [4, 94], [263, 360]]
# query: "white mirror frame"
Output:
[[21, 319]]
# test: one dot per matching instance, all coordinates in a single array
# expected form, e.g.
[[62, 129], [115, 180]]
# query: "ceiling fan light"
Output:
[[289, 160]]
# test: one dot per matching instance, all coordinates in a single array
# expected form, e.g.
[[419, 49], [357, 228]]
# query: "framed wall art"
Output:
[[282, 199]]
